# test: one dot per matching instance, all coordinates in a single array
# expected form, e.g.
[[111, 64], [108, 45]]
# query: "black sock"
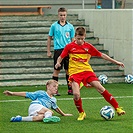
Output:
[[55, 78]]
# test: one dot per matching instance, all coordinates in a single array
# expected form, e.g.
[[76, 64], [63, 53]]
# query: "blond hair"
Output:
[[50, 82]]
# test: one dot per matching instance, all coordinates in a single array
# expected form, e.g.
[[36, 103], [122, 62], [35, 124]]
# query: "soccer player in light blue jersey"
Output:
[[62, 32], [42, 104]]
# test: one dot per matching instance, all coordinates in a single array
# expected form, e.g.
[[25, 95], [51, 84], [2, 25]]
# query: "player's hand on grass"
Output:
[[8, 93], [68, 115]]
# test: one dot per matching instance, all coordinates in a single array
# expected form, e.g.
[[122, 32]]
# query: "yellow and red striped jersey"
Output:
[[79, 56]]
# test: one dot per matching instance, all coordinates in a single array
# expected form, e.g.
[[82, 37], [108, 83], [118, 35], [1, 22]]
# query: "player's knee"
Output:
[[76, 95], [51, 112], [100, 89], [38, 118]]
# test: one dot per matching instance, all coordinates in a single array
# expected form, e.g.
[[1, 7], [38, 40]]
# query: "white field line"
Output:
[[63, 99]]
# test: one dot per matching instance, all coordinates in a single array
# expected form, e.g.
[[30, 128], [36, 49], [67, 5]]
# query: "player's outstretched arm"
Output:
[[106, 57], [10, 93], [49, 54], [58, 110]]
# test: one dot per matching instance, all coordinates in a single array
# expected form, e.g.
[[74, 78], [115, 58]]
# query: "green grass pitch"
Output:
[[92, 103]]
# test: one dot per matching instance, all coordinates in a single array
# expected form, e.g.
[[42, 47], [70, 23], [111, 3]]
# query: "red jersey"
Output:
[[79, 56]]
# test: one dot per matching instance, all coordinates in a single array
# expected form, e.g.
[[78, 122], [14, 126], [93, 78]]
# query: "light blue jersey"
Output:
[[41, 97], [62, 35]]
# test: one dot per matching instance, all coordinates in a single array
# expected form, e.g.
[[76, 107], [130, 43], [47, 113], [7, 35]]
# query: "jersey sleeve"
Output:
[[33, 95], [51, 31], [72, 33], [65, 51], [54, 104], [94, 52]]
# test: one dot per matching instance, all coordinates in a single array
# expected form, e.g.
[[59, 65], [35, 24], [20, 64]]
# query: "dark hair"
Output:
[[80, 31], [62, 9]]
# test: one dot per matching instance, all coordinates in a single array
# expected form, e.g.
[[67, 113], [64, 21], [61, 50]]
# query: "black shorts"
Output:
[[65, 61]]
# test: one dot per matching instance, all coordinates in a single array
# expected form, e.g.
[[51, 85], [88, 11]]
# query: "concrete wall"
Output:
[[114, 28]]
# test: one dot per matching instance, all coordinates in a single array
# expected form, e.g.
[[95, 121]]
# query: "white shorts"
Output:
[[34, 108]]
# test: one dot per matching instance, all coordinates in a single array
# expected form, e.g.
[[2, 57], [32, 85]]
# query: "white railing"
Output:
[[113, 4]]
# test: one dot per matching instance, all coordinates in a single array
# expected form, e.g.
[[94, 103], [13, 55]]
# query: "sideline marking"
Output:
[[85, 98]]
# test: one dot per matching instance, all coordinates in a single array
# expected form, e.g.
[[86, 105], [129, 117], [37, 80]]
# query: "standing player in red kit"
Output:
[[80, 70]]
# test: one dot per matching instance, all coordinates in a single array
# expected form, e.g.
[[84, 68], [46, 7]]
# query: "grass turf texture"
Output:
[[92, 103]]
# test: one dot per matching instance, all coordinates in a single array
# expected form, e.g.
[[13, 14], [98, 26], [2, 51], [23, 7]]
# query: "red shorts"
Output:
[[84, 77]]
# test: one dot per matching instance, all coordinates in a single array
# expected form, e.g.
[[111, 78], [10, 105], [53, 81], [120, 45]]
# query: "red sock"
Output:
[[78, 104], [109, 98]]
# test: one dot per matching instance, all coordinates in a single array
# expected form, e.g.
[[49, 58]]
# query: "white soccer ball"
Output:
[[107, 112], [129, 79], [103, 79]]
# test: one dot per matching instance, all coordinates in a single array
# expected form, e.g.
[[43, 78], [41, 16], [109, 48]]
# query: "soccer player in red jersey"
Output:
[[80, 70]]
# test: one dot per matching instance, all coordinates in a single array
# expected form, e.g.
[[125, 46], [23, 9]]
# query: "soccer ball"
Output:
[[107, 112], [103, 79], [129, 79]]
